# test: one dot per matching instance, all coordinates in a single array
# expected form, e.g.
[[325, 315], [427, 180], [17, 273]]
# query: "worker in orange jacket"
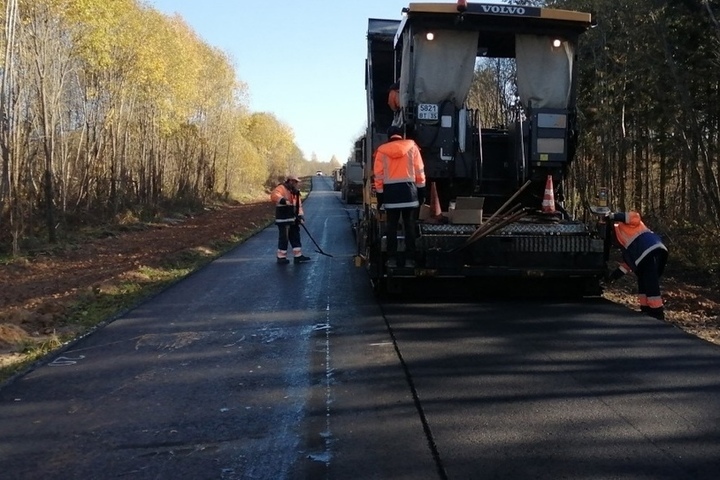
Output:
[[400, 188], [394, 103], [394, 97], [288, 217], [644, 254]]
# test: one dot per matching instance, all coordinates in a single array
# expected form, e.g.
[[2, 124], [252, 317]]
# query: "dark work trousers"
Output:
[[648, 274], [393, 219], [288, 232]]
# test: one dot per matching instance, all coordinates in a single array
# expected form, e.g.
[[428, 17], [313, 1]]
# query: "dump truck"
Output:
[[496, 191], [337, 179], [353, 175]]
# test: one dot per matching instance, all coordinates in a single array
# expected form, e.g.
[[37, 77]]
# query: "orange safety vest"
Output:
[[635, 238], [394, 100], [399, 172], [286, 213]]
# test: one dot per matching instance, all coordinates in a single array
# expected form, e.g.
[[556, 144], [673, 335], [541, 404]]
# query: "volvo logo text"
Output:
[[503, 9]]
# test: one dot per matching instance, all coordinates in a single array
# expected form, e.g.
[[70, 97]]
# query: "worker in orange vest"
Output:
[[394, 103], [400, 188], [644, 254], [394, 97], [288, 217]]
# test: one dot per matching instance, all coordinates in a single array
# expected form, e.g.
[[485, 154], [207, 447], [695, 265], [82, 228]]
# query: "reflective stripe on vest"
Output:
[[285, 213], [635, 237], [396, 162], [629, 228]]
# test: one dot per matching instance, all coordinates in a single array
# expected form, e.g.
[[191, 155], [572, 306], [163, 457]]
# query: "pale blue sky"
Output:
[[302, 60]]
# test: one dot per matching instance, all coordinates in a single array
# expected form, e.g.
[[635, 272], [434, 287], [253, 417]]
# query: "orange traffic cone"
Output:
[[436, 211], [548, 203]]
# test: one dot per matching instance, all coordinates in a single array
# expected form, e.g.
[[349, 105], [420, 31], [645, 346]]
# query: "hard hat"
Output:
[[394, 131], [293, 177]]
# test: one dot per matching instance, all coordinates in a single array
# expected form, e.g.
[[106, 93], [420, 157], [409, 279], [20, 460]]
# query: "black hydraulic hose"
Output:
[[297, 214], [319, 250]]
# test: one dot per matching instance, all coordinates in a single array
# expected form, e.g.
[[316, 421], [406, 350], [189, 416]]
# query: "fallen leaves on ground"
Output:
[[36, 292]]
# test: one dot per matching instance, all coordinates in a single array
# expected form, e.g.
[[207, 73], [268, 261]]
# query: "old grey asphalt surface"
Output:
[[250, 370]]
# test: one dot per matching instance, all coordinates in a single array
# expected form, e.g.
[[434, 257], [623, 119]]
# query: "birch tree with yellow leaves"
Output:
[[113, 107]]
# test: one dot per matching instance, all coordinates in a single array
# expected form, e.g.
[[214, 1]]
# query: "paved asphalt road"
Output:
[[251, 370]]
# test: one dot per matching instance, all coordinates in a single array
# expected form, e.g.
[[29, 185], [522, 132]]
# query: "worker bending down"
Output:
[[644, 254]]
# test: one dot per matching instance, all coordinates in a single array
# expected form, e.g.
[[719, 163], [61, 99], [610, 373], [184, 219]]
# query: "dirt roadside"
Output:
[[36, 293]]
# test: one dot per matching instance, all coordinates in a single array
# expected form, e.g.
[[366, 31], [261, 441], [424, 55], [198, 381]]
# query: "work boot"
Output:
[[656, 313], [282, 261], [301, 259]]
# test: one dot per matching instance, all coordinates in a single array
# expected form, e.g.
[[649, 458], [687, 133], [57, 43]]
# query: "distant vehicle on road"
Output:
[[352, 183], [319, 173], [337, 178], [353, 175]]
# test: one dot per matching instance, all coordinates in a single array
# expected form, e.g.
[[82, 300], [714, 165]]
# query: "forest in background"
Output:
[[648, 116], [649, 98], [112, 107], [648, 106]]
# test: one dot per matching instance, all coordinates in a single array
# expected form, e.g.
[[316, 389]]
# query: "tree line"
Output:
[[109, 107], [649, 112], [649, 107]]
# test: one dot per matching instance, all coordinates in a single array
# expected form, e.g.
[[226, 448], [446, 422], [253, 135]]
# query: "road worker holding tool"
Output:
[[644, 254], [288, 217]]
